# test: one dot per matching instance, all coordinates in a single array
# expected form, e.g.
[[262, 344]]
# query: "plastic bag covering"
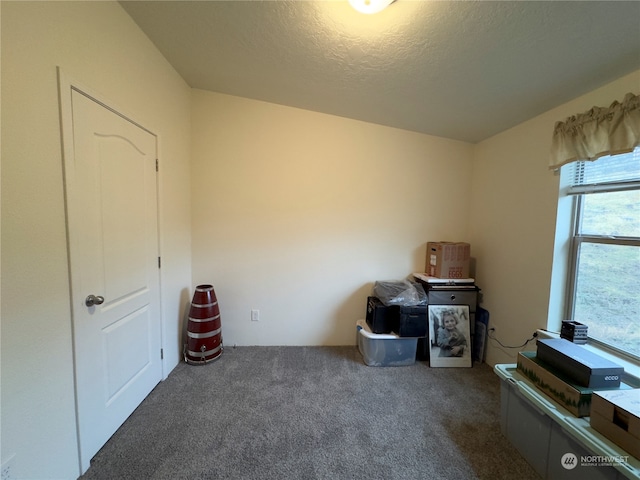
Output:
[[400, 292]]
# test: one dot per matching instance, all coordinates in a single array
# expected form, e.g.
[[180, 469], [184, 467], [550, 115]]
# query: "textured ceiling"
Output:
[[457, 69]]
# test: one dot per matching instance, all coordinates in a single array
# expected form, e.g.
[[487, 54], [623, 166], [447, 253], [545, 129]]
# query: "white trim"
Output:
[[66, 136]]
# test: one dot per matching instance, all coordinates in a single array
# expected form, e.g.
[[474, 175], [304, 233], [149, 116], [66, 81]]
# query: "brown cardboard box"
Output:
[[616, 415], [448, 259], [573, 397]]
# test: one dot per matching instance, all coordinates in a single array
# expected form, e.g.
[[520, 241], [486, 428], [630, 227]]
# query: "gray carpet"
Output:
[[314, 413]]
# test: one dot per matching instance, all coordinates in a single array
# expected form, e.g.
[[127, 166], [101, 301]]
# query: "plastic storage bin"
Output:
[[385, 350], [544, 433]]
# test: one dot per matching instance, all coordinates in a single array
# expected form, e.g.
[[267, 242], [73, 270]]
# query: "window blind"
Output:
[[607, 174]]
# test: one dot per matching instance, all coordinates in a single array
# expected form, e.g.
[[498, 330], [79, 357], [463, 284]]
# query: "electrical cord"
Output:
[[491, 335]]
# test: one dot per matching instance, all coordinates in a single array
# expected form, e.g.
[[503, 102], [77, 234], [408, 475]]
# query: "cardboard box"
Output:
[[555, 384], [448, 259], [579, 364], [616, 415]]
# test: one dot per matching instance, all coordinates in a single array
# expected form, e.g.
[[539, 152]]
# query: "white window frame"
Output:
[[577, 194]]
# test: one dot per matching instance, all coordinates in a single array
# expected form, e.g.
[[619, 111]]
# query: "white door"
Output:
[[110, 182]]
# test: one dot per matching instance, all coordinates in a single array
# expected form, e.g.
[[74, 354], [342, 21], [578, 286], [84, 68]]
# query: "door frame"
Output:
[[66, 86]]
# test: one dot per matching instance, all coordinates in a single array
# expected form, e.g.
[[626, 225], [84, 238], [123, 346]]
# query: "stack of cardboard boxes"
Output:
[[388, 322], [616, 415], [586, 384]]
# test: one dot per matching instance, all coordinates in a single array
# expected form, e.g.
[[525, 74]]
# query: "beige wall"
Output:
[[294, 213], [513, 223], [97, 44], [297, 213]]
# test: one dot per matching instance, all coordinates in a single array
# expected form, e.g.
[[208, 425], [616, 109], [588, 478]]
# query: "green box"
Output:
[[575, 398]]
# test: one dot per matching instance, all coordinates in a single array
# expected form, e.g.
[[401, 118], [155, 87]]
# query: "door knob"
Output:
[[92, 300]]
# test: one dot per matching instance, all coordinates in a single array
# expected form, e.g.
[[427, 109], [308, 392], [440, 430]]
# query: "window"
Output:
[[604, 277]]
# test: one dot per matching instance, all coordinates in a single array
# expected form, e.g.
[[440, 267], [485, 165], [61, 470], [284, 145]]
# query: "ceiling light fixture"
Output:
[[370, 6]]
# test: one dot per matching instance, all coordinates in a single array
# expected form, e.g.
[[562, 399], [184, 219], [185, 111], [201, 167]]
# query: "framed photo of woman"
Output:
[[449, 336]]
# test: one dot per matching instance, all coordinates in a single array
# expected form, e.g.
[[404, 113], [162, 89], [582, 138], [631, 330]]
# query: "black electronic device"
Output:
[[574, 331]]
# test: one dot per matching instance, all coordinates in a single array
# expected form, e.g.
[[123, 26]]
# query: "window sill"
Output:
[[631, 368]]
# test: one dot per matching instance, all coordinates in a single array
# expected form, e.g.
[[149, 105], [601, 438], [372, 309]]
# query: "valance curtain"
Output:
[[600, 131]]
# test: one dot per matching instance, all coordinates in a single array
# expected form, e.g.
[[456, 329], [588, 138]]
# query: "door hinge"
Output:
[[161, 354], [159, 263], [156, 164]]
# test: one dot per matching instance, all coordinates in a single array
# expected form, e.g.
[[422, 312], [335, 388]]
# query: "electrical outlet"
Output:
[[255, 315], [6, 469]]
